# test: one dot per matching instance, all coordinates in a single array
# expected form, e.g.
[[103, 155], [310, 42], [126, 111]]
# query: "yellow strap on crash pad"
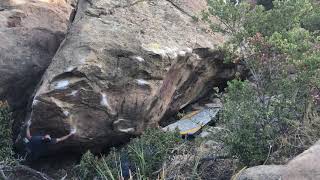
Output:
[[191, 131], [190, 115]]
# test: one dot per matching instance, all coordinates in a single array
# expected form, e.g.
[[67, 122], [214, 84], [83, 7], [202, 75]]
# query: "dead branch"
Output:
[[22, 168], [3, 176]]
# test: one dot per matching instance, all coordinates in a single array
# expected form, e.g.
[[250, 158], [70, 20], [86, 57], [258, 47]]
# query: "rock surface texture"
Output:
[[126, 65], [306, 166], [30, 33]]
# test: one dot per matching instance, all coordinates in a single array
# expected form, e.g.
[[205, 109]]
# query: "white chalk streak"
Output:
[[104, 100], [140, 59], [69, 69], [63, 84], [66, 113], [127, 130], [73, 93], [142, 82], [182, 53]]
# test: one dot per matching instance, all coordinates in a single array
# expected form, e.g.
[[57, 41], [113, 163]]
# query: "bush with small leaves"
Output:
[[141, 158], [86, 169], [276, 114], [6, 153]]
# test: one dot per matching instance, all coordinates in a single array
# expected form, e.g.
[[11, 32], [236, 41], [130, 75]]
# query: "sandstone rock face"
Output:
[[124, 66], [30, 34], [306, 166]]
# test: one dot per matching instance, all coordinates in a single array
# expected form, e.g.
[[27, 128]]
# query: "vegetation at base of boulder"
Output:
[[173, 159], [276, 115], [6, 153], [7, 160], [143, 157]]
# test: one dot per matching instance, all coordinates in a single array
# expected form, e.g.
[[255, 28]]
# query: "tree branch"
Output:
[[22, 168], [3, 176], [32, 171]]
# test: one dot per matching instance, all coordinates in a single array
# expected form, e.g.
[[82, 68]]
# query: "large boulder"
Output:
[[30, 33], [306, 166], [124, 66]]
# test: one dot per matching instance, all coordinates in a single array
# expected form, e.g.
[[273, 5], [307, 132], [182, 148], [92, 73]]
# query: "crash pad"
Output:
[[193, 122]]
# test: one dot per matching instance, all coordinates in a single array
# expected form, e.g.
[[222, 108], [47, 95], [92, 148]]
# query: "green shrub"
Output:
[[250, 131], [86, 168], [6, 153], [278, 126], [144, 156], [276, 115], [312, 21]]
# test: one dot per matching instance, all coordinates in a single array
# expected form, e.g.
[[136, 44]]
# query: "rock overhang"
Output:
[[121, 72]]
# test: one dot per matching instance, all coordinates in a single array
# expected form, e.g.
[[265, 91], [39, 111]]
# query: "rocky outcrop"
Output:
[[306, 166], [125, 66], [30, 34]]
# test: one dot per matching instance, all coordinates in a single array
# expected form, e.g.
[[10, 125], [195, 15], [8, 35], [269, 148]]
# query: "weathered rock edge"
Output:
[[305, 166], [30, 34]]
